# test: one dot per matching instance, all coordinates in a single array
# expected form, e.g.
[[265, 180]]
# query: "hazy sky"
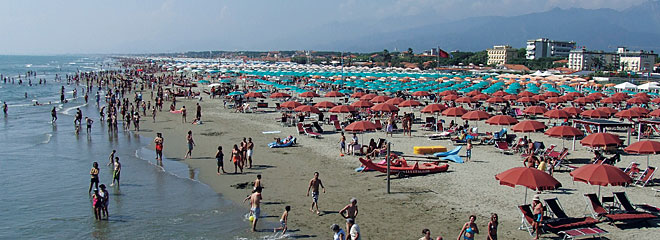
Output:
[[141, 26]]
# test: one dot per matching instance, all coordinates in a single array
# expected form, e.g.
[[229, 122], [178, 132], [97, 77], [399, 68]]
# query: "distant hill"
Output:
[[637, 27]]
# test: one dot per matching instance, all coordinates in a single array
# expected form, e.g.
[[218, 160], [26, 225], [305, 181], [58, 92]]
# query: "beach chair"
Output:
[[317, 126], [333, 118], [301, 130], [379, 125], [452, 152], [649, 208], [337, 126], [632, 170], [527, 219], [624, 202], [598, 211], [590, 232], [429, 125], [503, 147], [645, 177], [560, 220], [311, 133]]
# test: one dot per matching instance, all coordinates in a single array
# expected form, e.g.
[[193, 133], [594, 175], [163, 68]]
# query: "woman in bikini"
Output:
[[492, 227], [469, 229], [236, 158]]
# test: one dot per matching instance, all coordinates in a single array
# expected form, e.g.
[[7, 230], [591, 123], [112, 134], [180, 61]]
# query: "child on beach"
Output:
[[219, 156], [339, 233], [468, 149], [284, 220], [342, 144], [96, 204]]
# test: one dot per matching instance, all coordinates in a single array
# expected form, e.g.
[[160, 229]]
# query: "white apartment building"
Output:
[[543, 47], [637, 61], [583, 60], [500, 54]]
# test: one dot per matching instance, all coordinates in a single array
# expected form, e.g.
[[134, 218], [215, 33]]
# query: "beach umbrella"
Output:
[[500, 94], [309, 95], [385, 107], [497, 100], [454, 112], [501, 120], [621, 95], [358, 94], [528, 126], [394, 101], [421, 94], [535, 110], [526, 94], [511, 97], [539, 97], [610, 100], [290, 104], [567, 98], [551, 94], [433, 108], [449, 98], [464, 100], [531, 178], [557, 114], [572, 111], [597, 95], [644, 147], [235, 93], [628, 113], [342, 109], [656, 100], [362, 104], [594, 114], [480, 97], [637, 100], [280, 95], [475, 115], [379, 99], [526, 100], [601, 140], [563, 132], [641, 110], [601, 175], [655, 113], [447, 93], [554, 100], [410, 103], [360, 126], [325, 104], [254, 95], [307, 108], [574, 94], [583, 100], [608, 110], [368, 97]]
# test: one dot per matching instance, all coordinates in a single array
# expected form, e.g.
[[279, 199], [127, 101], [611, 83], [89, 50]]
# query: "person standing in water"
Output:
[[112, 157], [89, 122], [116, 172], [159, 146], [53, 114], [4, 108], [314, 186], [94, 173], [191, 145], [255, 209], [104, 197]]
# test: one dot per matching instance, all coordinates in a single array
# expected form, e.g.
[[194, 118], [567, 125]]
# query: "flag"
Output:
[[443, 54]]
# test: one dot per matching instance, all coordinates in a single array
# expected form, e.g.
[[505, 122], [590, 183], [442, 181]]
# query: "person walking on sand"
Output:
[[355, 230], [94, 173], [191, 145], [112, 157], [219, 156], [350, 211], [198, 113], [250, 150], [468, 150], [159, 146], [236, 158], [469, 229], [153, 114], [53, 114], [342, 144], [492, 227], [116, 172], [283, 221], [314, 186], [183, 114], [255, 203], [339, 233]]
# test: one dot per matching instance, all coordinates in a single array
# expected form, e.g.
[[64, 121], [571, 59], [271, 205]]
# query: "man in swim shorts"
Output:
[[255, 203], [314, 186], [250, 147]]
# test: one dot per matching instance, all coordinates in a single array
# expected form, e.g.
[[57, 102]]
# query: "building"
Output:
[[637, 61], [501, 54], [543, 47], [584, 60]]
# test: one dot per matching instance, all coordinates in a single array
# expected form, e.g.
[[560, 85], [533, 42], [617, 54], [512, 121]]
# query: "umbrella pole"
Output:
[[525, 202], [647, 160], [573, 143]]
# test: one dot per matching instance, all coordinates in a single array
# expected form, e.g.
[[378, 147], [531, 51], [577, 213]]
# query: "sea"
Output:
[[44, 168]]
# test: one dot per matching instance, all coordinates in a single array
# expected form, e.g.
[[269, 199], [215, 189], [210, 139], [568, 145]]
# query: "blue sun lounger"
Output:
[[452, 152]]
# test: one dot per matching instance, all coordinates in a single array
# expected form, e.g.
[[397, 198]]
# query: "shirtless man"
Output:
[[250, 147], [53, 114], [255, 202], [350, 212], [159, 146], [538, 215], [112, 157], [314, 186], [257, 182]]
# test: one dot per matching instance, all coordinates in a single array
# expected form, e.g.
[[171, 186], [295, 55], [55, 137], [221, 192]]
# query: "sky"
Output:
[[35, 27]]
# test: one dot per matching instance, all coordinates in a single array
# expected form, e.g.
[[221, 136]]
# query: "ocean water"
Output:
[[44, 170]]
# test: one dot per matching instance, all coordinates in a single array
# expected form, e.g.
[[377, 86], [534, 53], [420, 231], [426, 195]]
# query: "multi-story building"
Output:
[[583, 60], [637, 61], [501, 54], [543, 47]]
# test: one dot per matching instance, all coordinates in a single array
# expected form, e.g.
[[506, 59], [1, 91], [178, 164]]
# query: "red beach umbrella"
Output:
[[379, 99], [280, 95], [473, 93], [307, 108], [309, 95], [526, 94], [628, 113], [433, 108], [608, 110], [358, 94], [454, 112], [642, 94], [480, 97], [531, 178], [583, 100], [528, 126], [334, 94], [394, 101], [610, 100], [556, 113], [502, 120], [564, 131], [362, 104], [526, 100], [595, 114], [410, 103], [644, 147], [497, 100], [655, 113], [368, 97], [325, 104], [656, 100], [641, 110], [475, 115], [555, 100], [342, 109], [464, 100], [511, 97], [597, 95], [447, 93], [535, 110], [384, 107], [500, 94], [290, 104], [574, 94], [567, 98], [360, 126], [621, 95], [551, 94], [539, 97], [449, 98], [601, 175], [573, 111], [421, 94], [601, 140], [637, 100], [254, 95]]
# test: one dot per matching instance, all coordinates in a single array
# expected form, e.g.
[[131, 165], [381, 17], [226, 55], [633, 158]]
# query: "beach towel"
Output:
[[453, 158], [271, 132], [175, 111]]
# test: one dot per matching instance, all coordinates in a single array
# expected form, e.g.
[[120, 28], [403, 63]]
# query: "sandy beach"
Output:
[[441, 202]]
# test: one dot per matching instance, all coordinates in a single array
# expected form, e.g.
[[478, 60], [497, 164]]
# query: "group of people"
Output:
[[241, 155], [100, 196]]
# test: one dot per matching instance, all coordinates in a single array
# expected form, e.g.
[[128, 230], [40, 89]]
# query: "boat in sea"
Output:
[[401, 167]]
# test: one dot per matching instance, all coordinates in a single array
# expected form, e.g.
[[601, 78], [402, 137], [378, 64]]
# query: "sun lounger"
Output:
[[645, 177], [439, 136], [453, 158], [503, 147], [527, 219], [379, 125], [562, 221], [590, 232], [649, 208], [318, 127], [455, 151], [632, 170], [301, 130], [623, 200], [598, 211], [281, 145], [311, 133], [337, 126]]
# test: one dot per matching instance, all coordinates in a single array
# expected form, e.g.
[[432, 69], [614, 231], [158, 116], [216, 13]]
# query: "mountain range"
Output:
[[637, 27]]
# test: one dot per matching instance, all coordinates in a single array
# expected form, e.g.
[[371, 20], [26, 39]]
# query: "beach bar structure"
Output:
[[601, 124]]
